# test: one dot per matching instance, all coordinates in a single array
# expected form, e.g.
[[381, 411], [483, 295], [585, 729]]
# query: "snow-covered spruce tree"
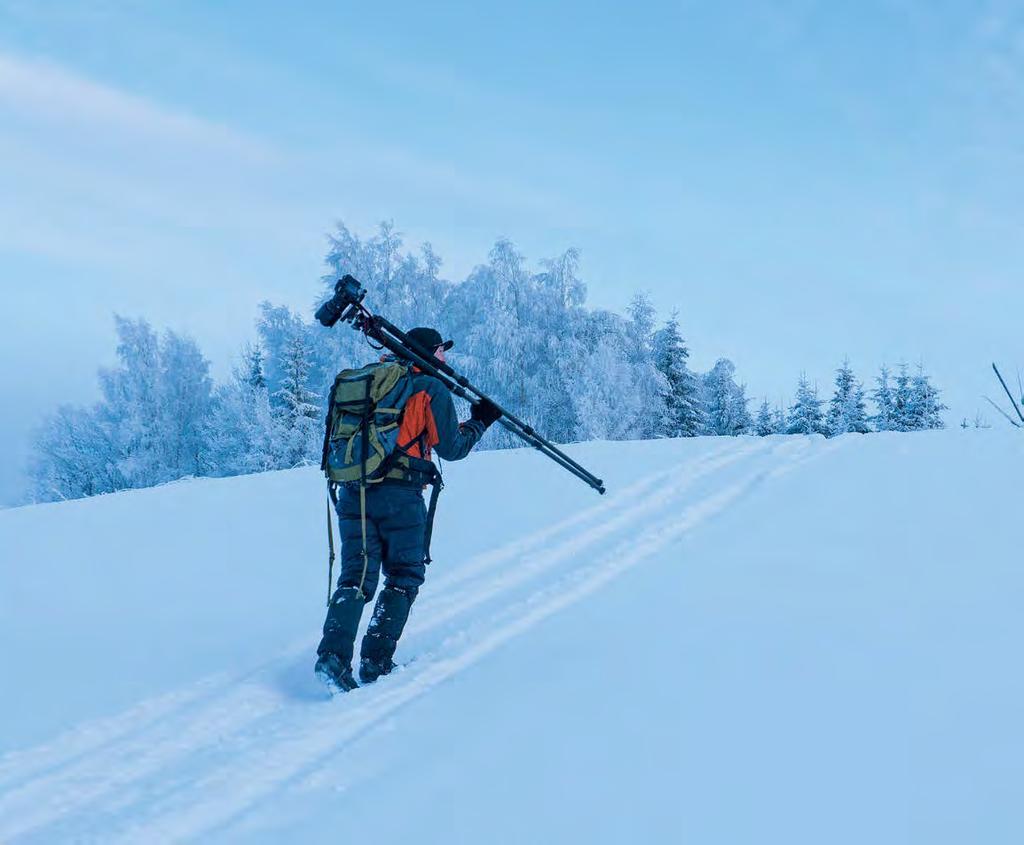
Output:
[[252, 367], [847, 412], [260, 426], [805, 416], [684, 417], [779, 419], [902, 399], [924, 409], [725, 402], [764, 423], [746, 421], [297, 408], [276, 328], [884, 418]]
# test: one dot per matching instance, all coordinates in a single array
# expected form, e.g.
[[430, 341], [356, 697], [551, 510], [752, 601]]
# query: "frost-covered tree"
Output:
[[148, 428], [648, 384], [244, 434], [72, 457], [130, 410], [496, 341], [847, 411], [276, 327], [725, 401], [558, 296], [526, 339], [640, 328], [684, 414], [154, 404], [185, 391], [400, 284], [805, 416], [297, 408], [607, 407]]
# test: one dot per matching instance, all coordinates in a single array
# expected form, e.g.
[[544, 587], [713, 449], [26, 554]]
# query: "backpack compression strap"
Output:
[[436, 486], [365, 427]]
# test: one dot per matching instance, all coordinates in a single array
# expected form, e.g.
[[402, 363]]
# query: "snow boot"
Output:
[[339, 638], [381, 639], [369, 670], [334, 674]]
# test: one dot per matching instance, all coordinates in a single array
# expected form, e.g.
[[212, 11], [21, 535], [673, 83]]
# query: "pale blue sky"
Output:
[[802, 180]]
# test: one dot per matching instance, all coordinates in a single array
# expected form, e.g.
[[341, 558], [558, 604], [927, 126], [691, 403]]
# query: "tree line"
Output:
[[524, 336], [903, 402]]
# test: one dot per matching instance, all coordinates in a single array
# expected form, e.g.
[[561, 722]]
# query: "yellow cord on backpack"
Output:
[[362, 520], [330, 546]]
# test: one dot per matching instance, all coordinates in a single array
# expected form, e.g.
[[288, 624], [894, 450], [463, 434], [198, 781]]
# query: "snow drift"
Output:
[[778, 639]]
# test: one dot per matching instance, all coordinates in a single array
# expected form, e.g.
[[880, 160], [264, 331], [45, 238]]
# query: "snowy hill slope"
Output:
[[787, 639]]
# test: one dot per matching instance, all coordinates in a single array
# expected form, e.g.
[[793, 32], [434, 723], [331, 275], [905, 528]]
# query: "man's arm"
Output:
[[454, 439]]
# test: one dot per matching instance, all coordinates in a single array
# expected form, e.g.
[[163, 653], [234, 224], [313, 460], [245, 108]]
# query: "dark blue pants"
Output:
[[396, 523]]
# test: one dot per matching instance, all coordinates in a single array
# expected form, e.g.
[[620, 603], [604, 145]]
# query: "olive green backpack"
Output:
[[363, 417]]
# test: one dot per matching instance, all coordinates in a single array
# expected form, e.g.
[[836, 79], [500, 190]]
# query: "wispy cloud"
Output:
[[44, 90], [89, 153]]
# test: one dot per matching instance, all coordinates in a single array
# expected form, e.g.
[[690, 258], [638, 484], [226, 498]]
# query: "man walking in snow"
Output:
[[395, 528]]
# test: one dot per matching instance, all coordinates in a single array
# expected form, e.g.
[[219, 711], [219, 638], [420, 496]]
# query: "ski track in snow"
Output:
[[187, 763], [136, 758], [20, 766]]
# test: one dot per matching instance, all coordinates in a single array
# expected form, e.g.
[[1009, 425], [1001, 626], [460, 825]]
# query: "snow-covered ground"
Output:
[[747, 640]]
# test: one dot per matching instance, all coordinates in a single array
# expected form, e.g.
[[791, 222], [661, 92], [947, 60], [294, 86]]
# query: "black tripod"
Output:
[[346, 305]]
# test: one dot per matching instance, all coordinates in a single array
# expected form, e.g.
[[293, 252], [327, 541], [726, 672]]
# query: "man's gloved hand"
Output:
[[485, 411]]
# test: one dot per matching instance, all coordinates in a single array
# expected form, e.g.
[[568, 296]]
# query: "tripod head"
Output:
[[346, 303]]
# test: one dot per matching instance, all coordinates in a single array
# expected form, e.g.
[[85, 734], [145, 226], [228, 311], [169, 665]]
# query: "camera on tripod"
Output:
[[344, 305]]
